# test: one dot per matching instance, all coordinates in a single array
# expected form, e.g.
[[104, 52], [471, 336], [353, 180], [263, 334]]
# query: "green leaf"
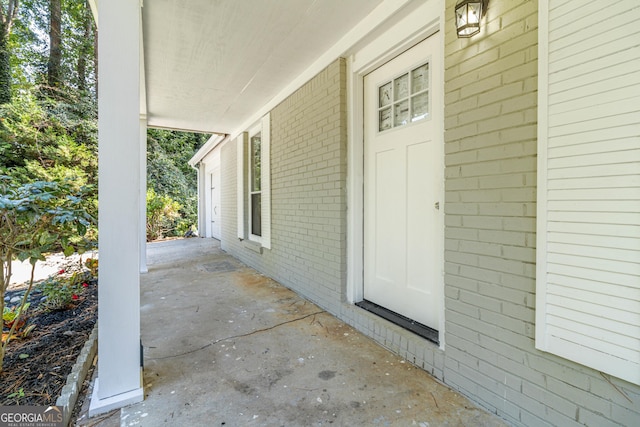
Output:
[[81, 228], [69, 250], [23, 356], [44, 238]]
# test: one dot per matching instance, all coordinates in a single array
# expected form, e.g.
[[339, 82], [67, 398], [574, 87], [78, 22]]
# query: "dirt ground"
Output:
[[36, 367]]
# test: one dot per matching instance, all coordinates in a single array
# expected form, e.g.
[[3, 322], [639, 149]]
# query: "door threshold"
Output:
[[411, 325]]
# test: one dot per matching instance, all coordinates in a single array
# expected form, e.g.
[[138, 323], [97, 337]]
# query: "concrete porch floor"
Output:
[[226, 346]]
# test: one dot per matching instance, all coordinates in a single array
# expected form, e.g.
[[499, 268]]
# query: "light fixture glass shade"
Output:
[[468, 14]]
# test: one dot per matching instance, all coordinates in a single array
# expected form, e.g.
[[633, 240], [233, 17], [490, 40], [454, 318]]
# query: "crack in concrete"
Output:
[[268, 328]]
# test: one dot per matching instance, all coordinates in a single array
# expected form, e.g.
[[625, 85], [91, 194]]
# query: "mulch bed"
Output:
[[52, 349]]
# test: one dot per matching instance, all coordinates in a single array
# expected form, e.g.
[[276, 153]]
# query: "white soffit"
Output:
[[210, 65]]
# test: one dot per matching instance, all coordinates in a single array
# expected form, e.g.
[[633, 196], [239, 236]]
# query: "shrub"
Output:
[[36, 218], [162, 215], [63, 290]]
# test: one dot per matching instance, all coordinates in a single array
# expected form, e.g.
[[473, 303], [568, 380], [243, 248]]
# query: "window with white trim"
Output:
[[254, 179], [255, 191], [588, 222]]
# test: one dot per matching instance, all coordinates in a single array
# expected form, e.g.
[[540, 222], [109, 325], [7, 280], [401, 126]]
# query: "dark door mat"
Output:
[[400, 320]]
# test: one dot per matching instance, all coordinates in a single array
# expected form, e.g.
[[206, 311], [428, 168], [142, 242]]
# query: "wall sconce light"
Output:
[[468, 15]]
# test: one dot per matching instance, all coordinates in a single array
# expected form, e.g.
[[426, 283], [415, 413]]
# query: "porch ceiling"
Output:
[[209, 65]]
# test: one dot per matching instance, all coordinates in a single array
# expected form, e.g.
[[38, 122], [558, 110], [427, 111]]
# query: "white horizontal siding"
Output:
[[595, 296], [596, 206], [594, 217], [593, 240], [601, 275], [588, 289], [581, 148], [614, 254], [590, 284], [621, 169], [626, 131], [593, 229], [609, 120], [596, 264]]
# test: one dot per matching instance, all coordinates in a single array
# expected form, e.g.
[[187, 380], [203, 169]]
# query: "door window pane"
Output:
[[385, 119], [384, 92], [401, 113], [419, 106], [420, 79], [401, 87]]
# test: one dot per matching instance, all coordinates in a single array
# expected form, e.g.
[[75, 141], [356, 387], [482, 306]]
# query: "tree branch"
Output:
[[21, 309]]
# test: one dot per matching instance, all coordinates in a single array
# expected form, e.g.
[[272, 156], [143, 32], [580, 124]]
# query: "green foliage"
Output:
[[37, 218], [29, 46], [169, 173], [9, 315], [92, 266], [162, 215], [50, 134], [55, 141], [17, 395], [49, 151], [16, 315], [39, 135], [41, 216], [62, 290]]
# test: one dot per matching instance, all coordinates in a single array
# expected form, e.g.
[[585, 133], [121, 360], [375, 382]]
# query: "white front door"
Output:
[[404, 185], [215, 203]]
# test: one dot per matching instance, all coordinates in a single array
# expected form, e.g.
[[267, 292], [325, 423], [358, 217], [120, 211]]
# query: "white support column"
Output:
[[120, 379], [143, 195], [143, 156], [202, 200]]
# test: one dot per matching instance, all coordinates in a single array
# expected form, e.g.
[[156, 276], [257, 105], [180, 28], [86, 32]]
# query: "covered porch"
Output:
[[226, 346], [297, 96], [205, 67]]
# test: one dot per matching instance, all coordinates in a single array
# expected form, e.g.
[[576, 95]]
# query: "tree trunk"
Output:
[[85, 48], [55, 41], [7, 16], [5, 67], [81, 67]]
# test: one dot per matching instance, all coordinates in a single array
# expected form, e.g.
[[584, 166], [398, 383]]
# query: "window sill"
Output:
[[252, 246]]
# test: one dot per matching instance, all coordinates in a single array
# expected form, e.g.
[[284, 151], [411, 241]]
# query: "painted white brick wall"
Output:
[[491, 146], [308, 175]]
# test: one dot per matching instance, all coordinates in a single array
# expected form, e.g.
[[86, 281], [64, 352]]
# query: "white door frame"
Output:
[[406, 33], [211, 161], [215, 231]]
